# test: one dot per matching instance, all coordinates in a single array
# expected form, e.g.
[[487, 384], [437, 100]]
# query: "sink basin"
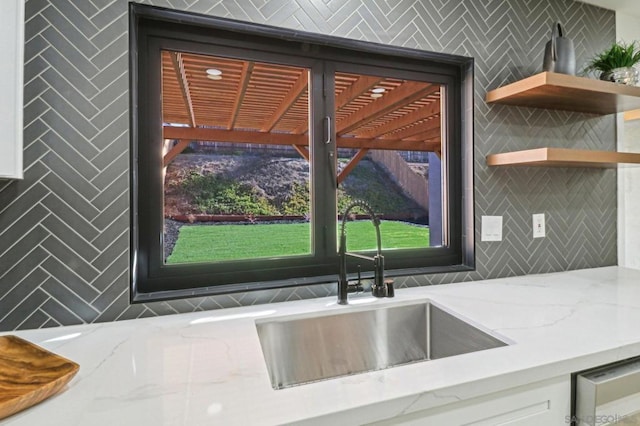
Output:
[[302, 349]]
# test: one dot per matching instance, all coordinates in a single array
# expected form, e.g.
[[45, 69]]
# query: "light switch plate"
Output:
[[491, 228], [539, 230]]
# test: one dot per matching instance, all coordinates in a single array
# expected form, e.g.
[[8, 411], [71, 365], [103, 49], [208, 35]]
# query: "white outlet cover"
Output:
[[491, 228], [539, 230]]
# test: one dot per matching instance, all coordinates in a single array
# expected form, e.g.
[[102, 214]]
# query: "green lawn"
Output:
[[206, 243]]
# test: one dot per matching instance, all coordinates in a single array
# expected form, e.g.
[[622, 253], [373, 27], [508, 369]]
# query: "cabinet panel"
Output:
[[543, 403], [11, 87]]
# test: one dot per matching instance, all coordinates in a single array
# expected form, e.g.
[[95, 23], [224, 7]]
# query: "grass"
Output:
[[207, 243]]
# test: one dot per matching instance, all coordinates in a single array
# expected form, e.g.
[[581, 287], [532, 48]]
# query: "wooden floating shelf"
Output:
[[560, 157], [567, 92], [632, 115]]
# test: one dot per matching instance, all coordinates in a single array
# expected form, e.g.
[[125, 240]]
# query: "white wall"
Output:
[[628, 29]]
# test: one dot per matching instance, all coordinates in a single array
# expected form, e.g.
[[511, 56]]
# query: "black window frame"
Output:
[[153, 29]]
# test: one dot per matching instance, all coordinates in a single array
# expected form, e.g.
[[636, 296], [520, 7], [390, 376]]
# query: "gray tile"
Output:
[[76, 32], [71, 95], [113, 252], [108, 33], [68, 194], [115, 170], [67, 233], [66, 112], [119, 205], [119, 106], [113, 141], [34, 110], [119, 225], [70, 71], [113, 51], [119, 186], [31, 70], [23, 310], [87, 8], [12, 256], [118, 265], [71, 259], [25, 222], [59, 313], [62, 210], [34, 26], [21, 281], [38, 319], [64, 171], [111, 292], [107, 76], [109, 12], [70, 155], [70, 279], [69, 134], [68, 298], [34, 47], [117, 306], [68, 50], [74, 16]]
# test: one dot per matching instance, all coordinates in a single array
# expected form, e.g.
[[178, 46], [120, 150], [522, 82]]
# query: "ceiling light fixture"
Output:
[[378, 90], [214, 77], [214, 71], [376, 95]]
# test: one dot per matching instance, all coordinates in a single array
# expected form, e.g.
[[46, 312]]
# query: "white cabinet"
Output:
[[11, 87], [543, 403]]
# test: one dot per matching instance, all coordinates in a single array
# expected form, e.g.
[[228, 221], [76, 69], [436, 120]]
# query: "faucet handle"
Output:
[[383, 290], [388, 284]]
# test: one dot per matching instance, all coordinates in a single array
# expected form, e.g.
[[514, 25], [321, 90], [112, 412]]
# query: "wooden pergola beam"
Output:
[[426, 111], [351, 164], [402, 95], [174, 151], [302, 150], [247, 71], [290, 98], [430, 127], [357, 88], [178, 67], [249, 137]]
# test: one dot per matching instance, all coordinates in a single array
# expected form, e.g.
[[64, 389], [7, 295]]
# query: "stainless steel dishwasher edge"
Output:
[[608, 395]]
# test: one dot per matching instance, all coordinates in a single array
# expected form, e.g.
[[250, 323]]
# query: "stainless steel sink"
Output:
[[301, 349]]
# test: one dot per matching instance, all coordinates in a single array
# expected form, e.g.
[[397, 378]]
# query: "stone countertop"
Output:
[[207, 367]]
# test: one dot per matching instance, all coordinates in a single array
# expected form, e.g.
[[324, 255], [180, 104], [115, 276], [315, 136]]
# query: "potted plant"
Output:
[[616, 63]]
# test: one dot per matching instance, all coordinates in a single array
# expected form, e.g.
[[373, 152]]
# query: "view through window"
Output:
[[236, 158]]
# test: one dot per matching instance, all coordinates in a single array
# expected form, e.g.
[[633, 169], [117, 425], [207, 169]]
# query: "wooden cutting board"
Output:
[[29, 374]]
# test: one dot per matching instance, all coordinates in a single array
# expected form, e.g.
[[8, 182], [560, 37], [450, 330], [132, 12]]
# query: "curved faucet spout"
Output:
[[374, 219], [380, 288]]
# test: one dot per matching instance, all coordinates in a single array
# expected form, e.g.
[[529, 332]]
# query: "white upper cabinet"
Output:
[[11, 87]]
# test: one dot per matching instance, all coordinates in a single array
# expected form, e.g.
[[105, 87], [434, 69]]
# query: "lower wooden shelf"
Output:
[[561, 157]]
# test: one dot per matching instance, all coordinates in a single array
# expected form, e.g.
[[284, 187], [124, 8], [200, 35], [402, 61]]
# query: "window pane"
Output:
[[389, 138], [236, 182]]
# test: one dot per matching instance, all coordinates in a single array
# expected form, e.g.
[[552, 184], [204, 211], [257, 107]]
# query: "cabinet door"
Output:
[[543, 403], [11, 87]]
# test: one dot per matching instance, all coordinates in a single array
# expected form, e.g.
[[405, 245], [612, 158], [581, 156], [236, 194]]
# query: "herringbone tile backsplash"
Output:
[[64, 241]]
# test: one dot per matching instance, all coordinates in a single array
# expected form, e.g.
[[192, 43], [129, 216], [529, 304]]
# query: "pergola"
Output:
[[261, 103]]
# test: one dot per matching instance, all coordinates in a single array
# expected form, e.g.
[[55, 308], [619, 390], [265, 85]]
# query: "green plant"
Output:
[[213, 194], [297, 201], [619, 55]]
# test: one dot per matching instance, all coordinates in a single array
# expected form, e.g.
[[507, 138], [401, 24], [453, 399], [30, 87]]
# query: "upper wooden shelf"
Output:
[[568, 92], [561, 157]]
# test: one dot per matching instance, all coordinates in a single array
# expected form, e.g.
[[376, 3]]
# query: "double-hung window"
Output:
[[249, 141]]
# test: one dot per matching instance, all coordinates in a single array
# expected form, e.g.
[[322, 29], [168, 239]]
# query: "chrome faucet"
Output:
[[380, 286]]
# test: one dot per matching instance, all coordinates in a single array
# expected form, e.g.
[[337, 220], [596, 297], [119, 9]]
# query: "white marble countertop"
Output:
[[207, 367]]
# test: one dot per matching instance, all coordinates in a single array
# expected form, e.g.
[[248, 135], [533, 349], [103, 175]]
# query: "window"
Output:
[[248, 142]]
